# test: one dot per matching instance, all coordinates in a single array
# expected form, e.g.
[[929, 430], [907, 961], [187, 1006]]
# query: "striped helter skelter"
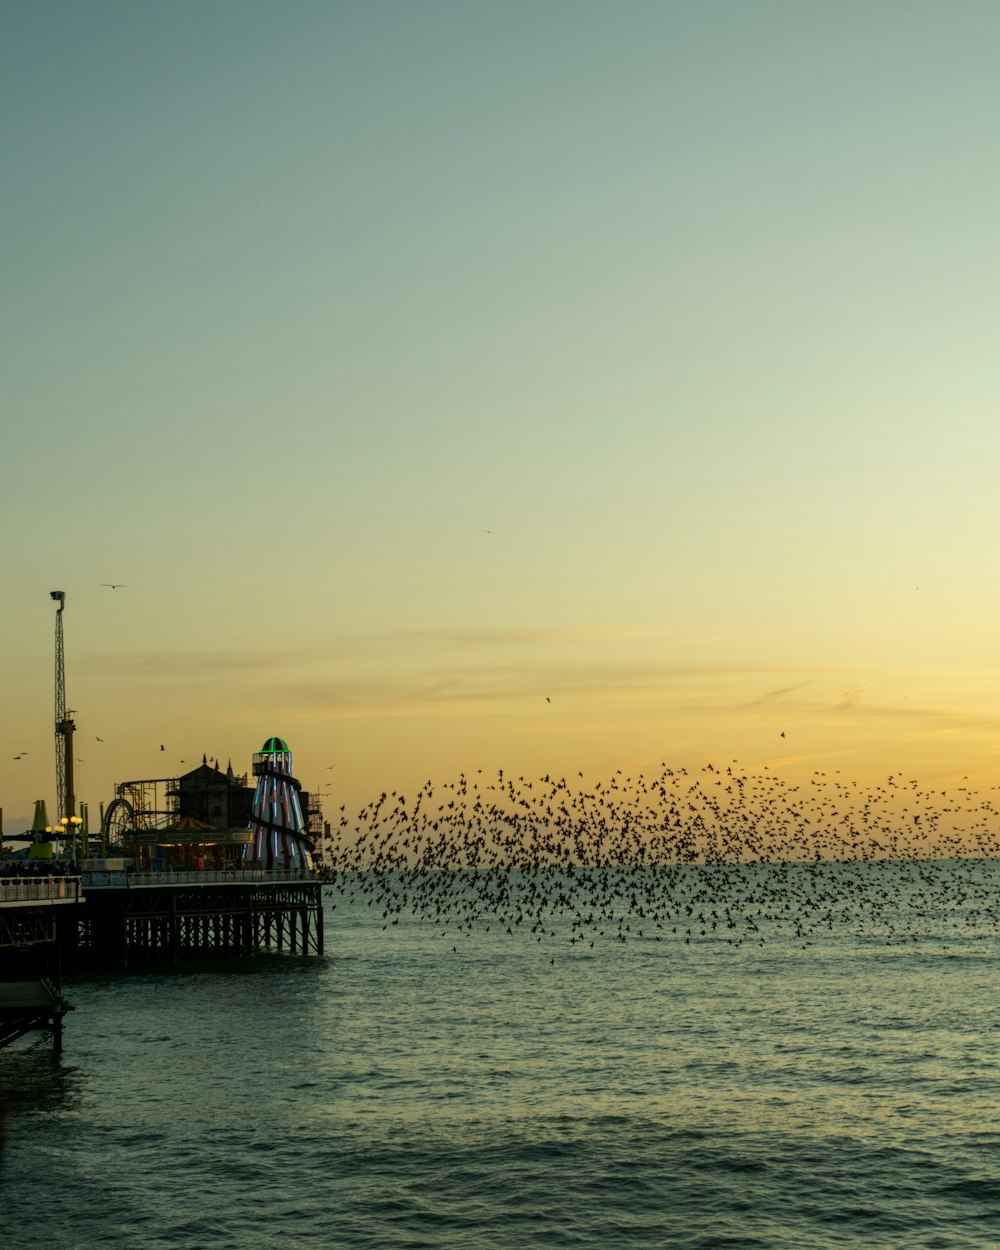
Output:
[[279, 830]]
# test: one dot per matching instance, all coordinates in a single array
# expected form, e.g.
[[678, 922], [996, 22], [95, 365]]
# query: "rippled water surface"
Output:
[[422, 1088]]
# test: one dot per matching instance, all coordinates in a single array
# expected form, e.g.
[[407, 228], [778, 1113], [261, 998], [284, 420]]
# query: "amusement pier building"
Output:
[[213, 819]]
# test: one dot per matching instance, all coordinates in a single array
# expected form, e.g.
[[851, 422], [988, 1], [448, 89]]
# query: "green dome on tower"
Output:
[[273, 746]]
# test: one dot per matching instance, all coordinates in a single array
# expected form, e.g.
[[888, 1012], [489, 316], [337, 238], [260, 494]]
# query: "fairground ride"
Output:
[[137, 805]]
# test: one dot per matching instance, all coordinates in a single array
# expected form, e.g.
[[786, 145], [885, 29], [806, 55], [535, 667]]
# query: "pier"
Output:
[[118, 918], [164, 916], [38, 916], [191, 866]]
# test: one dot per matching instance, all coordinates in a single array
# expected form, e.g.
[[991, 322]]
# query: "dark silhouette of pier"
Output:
[[103, 920], [37, 916]]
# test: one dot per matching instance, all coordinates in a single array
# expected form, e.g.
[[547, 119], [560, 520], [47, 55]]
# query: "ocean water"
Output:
[[436, 1083]]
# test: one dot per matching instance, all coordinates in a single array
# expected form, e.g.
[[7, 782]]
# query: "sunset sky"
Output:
[[549, 386]]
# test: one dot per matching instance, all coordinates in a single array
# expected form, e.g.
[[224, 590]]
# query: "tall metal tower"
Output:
[[65, 798]]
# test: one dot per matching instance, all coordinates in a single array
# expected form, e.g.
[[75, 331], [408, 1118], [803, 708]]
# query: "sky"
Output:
[[541, 386]]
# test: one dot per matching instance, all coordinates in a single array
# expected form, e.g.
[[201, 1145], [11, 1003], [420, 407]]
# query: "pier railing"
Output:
[[39, 889], [140, 880]]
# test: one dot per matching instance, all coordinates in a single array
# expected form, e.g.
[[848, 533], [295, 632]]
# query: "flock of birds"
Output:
[[720, 854]]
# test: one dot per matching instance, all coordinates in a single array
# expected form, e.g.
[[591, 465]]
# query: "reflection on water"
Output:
[[33, 1079]]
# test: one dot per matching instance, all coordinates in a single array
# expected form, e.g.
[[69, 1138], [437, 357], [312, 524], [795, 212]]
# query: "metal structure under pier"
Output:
[[191, 915], [27, 1006], [37, 927]]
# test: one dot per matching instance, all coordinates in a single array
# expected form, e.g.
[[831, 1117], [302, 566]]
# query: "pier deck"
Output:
[[112, 919], [154, 916]]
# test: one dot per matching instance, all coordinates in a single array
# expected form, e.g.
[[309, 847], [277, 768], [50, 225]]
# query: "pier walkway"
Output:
[[104, 880], [35, 890]]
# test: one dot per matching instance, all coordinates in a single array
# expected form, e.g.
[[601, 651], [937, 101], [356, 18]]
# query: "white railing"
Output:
[[39, 889], [210, 876]]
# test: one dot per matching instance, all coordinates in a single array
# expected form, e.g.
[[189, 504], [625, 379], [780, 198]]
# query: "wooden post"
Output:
[[174, 940]]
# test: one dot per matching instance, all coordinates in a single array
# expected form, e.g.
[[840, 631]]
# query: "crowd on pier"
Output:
[[36, 868]]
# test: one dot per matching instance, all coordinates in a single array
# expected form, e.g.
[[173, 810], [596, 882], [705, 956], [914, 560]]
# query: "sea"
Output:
[[467, 1081]]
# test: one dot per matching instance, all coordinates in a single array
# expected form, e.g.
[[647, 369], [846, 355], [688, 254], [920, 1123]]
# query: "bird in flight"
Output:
[[114, 585], [98, 739], [162, 747], [782, 734]]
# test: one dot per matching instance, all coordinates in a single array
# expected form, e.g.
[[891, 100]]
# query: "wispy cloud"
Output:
[[941, 717], [480, 637], [772, 696], [180, 663], [553, 685], [343, 646], [428, 671]]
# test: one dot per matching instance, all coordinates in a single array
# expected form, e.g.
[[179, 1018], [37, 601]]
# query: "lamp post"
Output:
[[69, 827], [75, 823]]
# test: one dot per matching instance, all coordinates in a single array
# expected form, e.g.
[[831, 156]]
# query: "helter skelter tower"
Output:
[[279, 831]]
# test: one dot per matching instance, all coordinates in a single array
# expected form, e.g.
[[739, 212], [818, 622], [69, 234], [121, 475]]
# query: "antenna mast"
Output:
[[65, 798]]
